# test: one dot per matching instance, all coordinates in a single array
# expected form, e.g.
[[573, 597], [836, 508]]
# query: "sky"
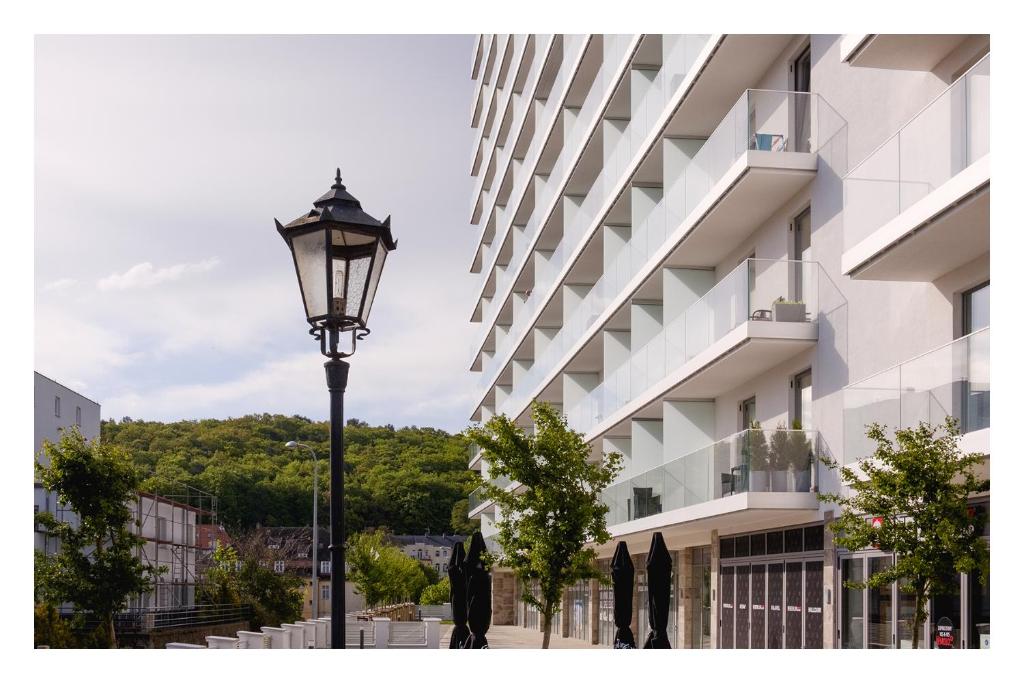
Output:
[[163, 290]]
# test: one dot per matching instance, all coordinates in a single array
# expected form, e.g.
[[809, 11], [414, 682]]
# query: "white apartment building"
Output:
[[166, 525], [721, 256]]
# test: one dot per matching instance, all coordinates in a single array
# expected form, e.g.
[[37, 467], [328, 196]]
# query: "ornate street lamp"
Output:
[[339, 252]]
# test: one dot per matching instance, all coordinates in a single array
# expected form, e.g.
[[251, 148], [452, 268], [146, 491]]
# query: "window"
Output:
[[444, 567], [748, 413], [279, 566], [802, 413], [437, 568], [325, 592], [325, 566], [437, 553], [445, 551], [78, 415], [56, 406]]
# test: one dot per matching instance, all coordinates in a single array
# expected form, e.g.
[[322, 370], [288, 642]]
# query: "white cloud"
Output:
[[75, 352], [62, 283], [145, 275]]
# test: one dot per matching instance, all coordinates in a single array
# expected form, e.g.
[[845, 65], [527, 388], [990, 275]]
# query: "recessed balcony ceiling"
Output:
[[912, 52]]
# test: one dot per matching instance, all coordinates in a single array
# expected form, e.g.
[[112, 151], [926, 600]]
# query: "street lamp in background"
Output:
[[339, 252], [316, 526]]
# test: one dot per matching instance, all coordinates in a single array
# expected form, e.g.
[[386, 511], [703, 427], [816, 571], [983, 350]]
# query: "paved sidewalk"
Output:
[[519, 638]]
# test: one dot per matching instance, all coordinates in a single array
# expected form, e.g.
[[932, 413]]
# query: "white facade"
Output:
[[681, 237], [57, 408]]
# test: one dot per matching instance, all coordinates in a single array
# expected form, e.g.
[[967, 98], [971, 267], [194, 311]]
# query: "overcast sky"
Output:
[[163, 290]]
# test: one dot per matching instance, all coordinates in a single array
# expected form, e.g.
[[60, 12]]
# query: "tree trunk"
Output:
[[918, 613], [547, 626], [112, 634]]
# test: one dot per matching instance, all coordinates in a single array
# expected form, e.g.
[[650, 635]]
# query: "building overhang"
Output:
[[910, 52], [945, 230], [693, 524], [749, 350]]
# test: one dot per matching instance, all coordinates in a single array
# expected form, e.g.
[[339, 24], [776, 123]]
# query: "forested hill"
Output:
[[409, 480]]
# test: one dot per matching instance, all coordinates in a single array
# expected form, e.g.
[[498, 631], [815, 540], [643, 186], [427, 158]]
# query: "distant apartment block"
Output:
[[722, 256], [431, 550], [166, 523]]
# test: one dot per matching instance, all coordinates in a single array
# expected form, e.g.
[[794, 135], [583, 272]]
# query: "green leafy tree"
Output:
[[51, 629], [461, 524], [436, 594], [96, 567], [545, 528], [243, 574], [919, 487], [381, 572]]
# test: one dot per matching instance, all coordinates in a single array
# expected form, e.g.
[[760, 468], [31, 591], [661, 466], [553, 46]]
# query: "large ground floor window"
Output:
[[605, 606], [883, 618], [698, 597], [578, 614]]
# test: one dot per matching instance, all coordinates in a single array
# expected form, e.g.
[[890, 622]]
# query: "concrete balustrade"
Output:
[[381, 632], [254, 641], [433, 632], [295, 636], [308, 633], [278, 639], [183, 646], [223, 643]]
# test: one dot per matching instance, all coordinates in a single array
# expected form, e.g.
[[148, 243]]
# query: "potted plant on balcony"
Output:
[[778, 458], [800, 456], [757, 455], [784, 311]]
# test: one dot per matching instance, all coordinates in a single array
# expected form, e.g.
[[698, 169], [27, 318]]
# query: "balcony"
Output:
[[478, 503], [739, 477], [475, 456], [757, 158], [918, 206], [735, 332], [952, 380], [911, 52]]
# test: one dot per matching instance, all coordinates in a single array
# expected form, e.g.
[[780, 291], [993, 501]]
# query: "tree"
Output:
[[436, 594], [918, 490], [381, 572], [243, 574], [461, 524], [544, 529], [96, 567]]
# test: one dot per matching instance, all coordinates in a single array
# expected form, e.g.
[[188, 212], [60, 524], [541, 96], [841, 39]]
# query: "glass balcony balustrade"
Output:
[[751, 292], [751, 461], [679, 60], [518, 47], [942, 140], [950, 381], [477, 497], [761, 120]]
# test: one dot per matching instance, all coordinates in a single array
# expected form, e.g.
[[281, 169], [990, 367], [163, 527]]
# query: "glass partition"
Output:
[[952, 380], [754, 460], [944, 138]]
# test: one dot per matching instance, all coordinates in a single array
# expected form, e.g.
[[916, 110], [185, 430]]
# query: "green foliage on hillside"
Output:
[[406, 479]]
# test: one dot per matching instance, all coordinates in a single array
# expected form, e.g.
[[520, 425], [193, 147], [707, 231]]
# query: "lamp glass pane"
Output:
[[378, 266], [310, 253], [359, 271], [338, 269]]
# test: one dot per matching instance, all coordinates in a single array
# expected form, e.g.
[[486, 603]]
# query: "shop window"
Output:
[[726, 548], [795, 540], [814, 538], [742, 546], [773, 543], [757, 545]]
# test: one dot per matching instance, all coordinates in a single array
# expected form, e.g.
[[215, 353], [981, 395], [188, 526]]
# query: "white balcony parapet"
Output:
[[760, 461], [953, 380], [650, 108], [770, 134], [945, 142], [223, 643], [279, 638], [254, 641]]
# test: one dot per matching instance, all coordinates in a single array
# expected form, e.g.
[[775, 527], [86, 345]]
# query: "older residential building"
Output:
[[166, 523], [431, 550], [721, 256]]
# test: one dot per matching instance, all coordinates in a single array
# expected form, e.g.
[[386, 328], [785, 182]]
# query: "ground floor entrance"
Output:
[[771, 587]]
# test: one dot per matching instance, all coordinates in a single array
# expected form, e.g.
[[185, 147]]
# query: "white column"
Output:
[[381, 632], [308, 633], [433, 632], [254, 641]]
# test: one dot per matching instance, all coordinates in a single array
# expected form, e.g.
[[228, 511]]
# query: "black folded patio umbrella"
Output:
[[478, 594], [659, 592], [622, 587], [457, 595]]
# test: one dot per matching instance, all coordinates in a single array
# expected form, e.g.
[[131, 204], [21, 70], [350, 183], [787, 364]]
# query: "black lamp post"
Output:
[[339, 252]]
